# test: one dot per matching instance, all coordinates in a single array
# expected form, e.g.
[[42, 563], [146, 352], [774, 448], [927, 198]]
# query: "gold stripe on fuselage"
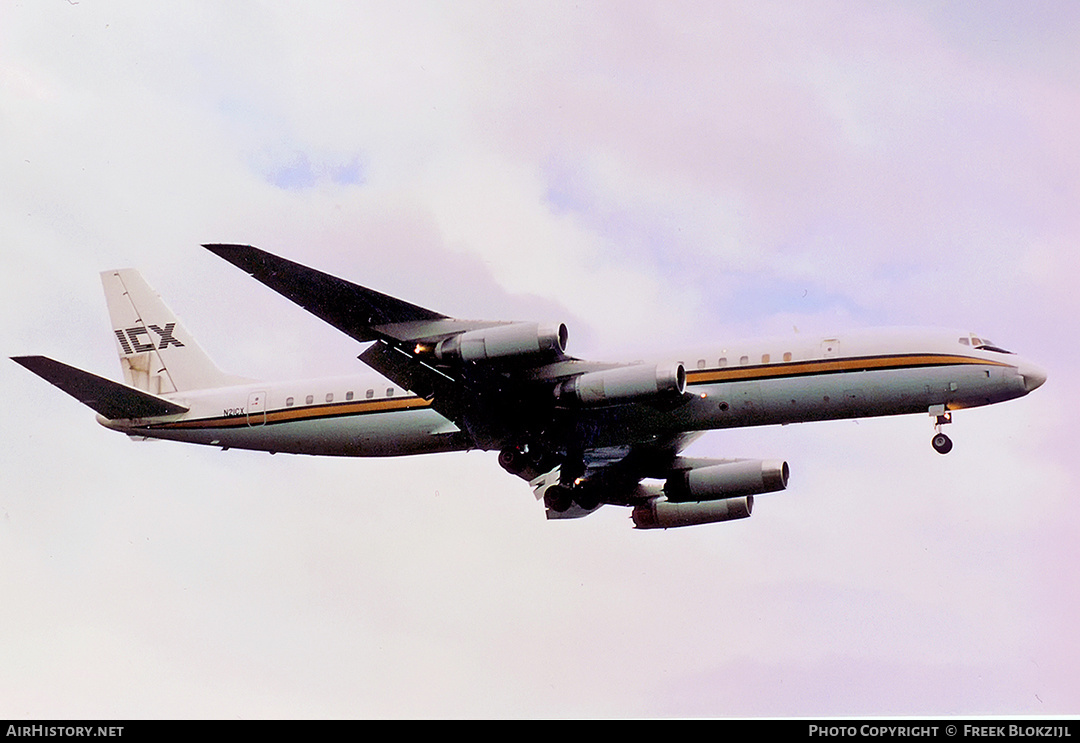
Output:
[[831, 366], [307, 413]]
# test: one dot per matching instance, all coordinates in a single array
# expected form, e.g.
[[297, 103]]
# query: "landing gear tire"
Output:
[[942, 444], [590, 501], [512, 460], [559, 498]]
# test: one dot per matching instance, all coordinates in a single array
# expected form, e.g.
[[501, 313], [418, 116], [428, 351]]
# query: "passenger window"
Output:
[[288, 402], [349, 395], [310, 399], [787, 356], [369, 394], [329, 396], [701, 364], [389, 391], [744, 360], [723, 361], [765, 358]]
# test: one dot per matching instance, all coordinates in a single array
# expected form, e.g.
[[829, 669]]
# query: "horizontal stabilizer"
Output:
[[112, 399]]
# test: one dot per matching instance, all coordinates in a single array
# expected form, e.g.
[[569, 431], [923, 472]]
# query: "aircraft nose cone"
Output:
[[1033, 376]]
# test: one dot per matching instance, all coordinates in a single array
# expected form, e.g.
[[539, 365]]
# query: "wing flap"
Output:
[[406, 370], [112, 399]]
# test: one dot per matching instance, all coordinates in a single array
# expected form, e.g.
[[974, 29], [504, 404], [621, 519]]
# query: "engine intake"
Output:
[[622, 384], [662, 514], [727, 480], [504, 341]]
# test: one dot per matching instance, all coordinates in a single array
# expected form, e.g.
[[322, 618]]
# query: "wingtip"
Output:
[[240, 256], [220, 248]]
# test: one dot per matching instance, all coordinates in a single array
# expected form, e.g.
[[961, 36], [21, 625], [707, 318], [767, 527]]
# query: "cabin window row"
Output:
[[743, 360], [349, 395]]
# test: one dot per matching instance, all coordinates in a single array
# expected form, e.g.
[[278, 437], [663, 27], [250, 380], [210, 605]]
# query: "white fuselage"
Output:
[[789, 380]]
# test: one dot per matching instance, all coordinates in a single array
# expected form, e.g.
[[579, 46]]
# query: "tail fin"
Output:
[[157, 353]]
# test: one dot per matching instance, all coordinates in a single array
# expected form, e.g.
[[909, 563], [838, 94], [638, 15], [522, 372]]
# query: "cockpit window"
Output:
[[983, 344]]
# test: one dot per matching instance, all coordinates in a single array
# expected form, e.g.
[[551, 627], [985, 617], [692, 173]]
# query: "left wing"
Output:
[[610, 475], [693, 491]]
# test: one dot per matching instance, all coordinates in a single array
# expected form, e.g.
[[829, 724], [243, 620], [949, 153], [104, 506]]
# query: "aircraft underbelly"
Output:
[[387, 434], [854, 394]]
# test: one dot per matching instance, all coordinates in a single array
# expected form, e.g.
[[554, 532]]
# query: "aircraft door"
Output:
[[256, 409]]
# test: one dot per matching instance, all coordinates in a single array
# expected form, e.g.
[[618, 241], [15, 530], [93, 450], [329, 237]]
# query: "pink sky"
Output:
[[653, 175]]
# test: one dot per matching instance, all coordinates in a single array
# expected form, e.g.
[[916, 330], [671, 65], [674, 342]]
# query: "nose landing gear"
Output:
[[942, 444]]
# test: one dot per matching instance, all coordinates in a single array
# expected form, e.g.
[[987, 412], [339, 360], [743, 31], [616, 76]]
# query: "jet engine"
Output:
[[711, 493], [660, 513], [504, 341], [623, 384], [727, 480]]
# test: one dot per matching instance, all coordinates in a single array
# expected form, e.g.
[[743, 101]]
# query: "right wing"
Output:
[[359, 312], [481, 375]]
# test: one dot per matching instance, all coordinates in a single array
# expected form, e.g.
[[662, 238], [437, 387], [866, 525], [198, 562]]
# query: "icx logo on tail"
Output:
[[130, 342]]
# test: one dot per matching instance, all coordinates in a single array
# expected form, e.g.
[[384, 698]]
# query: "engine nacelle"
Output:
[[623, 384], [727, 480], [504, 341], [663, 514]]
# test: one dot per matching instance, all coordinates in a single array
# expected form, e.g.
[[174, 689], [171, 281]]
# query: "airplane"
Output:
[[584, 434]]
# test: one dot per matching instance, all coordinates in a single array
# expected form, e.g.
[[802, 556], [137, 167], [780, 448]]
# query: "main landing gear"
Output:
[[527, 462], [942, 444], [560, 498], [562, 488]]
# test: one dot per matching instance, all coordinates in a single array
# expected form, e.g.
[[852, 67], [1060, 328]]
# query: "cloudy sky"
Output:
[[651, 174]]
